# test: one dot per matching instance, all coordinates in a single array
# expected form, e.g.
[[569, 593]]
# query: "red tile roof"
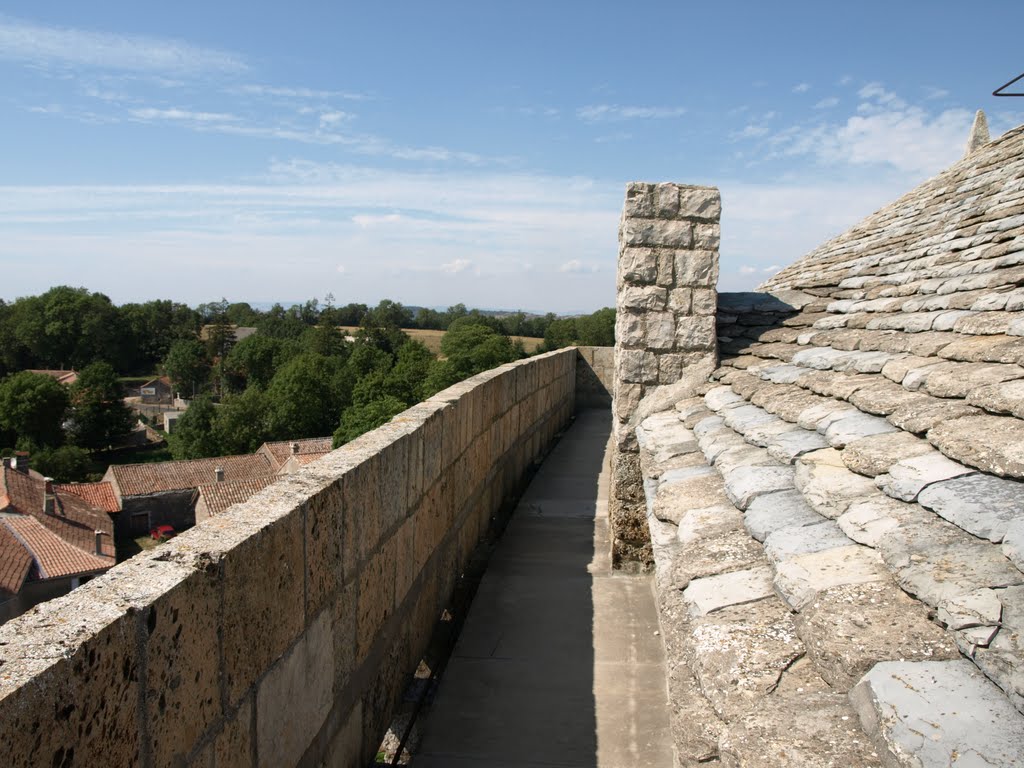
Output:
[[54, 556], [15, 560], [220, 496], [96, 495], [144, 479], [280, 451]]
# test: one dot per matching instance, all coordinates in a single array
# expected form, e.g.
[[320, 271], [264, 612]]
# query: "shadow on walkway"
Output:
[[558, 663]]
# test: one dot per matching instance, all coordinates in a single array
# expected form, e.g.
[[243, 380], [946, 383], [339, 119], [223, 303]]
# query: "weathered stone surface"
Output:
[[679, 493], [714, 593], [1003, 660], [957, 379], [775, 511], [935, 561], [787, 543], [1013, 542], [825, 408], [867, 521], [800, 578], [739, 654], [850, 628], [994, 444], [706, 522], [938, 713], [744, 484], [883, 397], [875, 454], [854, 427], [788, 446], [921, 415], [827, 485], [907, 477], [722, 397], [1005, 397], [980, 608], [657, 232], [813, 729], [980, 504], [726, 552]]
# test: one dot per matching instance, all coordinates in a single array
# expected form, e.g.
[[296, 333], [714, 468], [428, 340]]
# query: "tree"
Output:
[[255, 360], [469, 348], [99, 417], [303, 399], [67, 464], [242, 423], [193, 436], [149, 331], [357, 419], [32, 410], [597, 329], [187, 366]]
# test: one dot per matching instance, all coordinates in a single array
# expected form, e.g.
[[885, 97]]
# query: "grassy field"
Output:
[[432, 339]]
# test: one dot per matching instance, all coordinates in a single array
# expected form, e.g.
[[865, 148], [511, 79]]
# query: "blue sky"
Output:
[[441, 152]]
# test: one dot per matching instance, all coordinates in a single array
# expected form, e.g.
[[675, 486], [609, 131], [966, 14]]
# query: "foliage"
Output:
[[193, 436], [99, 417], [357, 419], [67, 464], [469, 348], [304, 398], [254, 360], [187, 366], [242, 423], [32, 410], [594, 330]]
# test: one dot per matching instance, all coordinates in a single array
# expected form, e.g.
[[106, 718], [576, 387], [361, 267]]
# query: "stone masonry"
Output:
[[664, 330]]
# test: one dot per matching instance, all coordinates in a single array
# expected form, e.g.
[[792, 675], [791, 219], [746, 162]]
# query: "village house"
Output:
[[63, 377], [51, 540], [156, 391], [287, 456]]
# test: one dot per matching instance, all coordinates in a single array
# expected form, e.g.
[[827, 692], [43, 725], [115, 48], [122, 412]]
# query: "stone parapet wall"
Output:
[[665, 340], [283, 632], [595, 377]]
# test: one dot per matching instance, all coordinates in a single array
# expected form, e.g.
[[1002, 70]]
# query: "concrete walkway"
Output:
[[559, 663]]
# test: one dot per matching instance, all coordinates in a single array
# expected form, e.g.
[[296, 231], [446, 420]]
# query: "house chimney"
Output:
[[21, 462], [978, 137], [295, 449], [99, 543], [49, 500], [219, 474]]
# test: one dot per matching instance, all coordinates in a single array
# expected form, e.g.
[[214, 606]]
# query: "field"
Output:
[[432, 339]]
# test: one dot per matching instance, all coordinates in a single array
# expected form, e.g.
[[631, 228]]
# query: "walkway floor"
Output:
[[559, 663]]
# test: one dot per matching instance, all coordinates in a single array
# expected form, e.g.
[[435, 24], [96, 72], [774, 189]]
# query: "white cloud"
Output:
[[456, 266], [331, 119], [340, 269], [301, 93], [68, 47], [578, 267], [827, 103], [148, 113], [930, 92], [801, 88], [600, 112]]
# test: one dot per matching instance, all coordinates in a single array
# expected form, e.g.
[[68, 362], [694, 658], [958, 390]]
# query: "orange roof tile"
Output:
[[144, 479], [15, 560], [96, 495], [220, 496], [54, 556], [280, 451]]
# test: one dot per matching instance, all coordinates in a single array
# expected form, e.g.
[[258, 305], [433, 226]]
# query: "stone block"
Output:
[[376, 598], [233, 746], [660, 330], [670, 367], [361, 504], [627, 398], [787, 543], [638, 266], [325, 536], [642, 299], [639, 200], [695, 333], [659, 233], [696, 268], [714, 593], [295, 697], [638, 366], [908, 477], [666, 268], [264, 606], [680, 301], [775, 511], [746, 483], [344, 619], [799, 579], [980, 504], [700, 202], [630, 329], [706, 237], [183, 697], [704, 301], [666, 200], [406, 568], [346, 745]]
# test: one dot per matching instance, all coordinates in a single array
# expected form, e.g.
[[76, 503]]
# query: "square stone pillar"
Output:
[[665, 340]]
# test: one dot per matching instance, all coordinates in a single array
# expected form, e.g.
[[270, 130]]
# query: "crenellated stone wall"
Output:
[[283, 632], [664, 330]]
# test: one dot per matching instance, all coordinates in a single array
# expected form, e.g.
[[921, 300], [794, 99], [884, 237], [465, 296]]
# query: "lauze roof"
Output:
[[839, 516]]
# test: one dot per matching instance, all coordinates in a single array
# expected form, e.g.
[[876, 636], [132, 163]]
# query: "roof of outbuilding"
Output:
[[97, 495], [280, 451], [220, 496], [15, 561], [54, 556], [158, 477]]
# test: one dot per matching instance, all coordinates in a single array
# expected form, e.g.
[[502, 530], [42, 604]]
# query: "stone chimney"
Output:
[[49, 499], [219, 474], [21, 462], [99, 543], [295, 449], [979, 134]]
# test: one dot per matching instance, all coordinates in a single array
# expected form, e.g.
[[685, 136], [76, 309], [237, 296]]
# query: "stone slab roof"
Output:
[[96, 495], [840, 510], [159, 477], [219, 496]]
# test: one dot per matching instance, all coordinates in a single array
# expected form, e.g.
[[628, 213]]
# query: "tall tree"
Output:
[[32, 410], [187, 366], [99, 417], [193, 436]]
